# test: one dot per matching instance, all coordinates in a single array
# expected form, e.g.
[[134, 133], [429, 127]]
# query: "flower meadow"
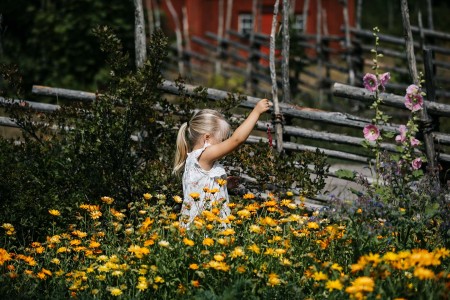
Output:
[[267, 248]]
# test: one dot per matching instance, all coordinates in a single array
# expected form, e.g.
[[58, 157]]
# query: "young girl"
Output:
[[200, 143]]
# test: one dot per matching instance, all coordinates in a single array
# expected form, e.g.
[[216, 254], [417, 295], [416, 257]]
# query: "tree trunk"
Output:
[[285, 53], [305, 15], [228, 18], [251, 59], [179, 38], [348, 45], [139, 34], [359, 14], [273, 75], [150, 19], [218, 65]]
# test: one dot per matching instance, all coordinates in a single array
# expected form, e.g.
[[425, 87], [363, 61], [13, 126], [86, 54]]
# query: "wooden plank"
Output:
[[361, 94], [63, 93], [42, 107]]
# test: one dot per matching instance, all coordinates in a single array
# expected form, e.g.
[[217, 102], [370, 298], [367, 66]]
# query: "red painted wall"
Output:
[[203, 15]]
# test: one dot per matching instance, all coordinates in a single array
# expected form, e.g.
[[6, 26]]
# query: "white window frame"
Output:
[[245, 23], [297, 23]]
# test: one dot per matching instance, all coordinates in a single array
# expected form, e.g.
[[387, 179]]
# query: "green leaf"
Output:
[[345, 174]]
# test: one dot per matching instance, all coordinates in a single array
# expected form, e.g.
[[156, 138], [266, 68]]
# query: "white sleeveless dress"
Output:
[[198, 180]]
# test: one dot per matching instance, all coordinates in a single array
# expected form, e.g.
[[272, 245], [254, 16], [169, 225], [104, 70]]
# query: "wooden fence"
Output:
[[322, 60], [336, 144]]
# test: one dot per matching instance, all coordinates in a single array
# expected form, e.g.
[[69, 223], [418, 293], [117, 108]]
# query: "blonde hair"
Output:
[[205, 121]]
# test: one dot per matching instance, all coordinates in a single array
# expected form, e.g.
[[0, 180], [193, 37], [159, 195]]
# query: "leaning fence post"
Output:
[[273, 75], [425, 118]]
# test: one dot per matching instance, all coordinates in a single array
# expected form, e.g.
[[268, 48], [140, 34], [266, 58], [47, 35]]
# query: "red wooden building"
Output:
[[201, 16]]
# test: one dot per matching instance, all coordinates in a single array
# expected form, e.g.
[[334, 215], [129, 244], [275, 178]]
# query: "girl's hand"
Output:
[[263, 106]]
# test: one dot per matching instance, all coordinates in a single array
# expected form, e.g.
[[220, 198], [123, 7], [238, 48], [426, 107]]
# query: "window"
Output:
[[297, 23], [245, 25]]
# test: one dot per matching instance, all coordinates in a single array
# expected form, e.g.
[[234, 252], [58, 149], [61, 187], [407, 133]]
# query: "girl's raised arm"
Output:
[[240, 135]]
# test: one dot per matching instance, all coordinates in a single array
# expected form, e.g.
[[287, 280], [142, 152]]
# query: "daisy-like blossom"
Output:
[[384, 79], [107, 200], [371, 132], [116, 291], [414, 142], [54, 212], [370, 82], [334, 285], [413, 98], [416, 163], [177, 199], [402, 136], [273, 280]]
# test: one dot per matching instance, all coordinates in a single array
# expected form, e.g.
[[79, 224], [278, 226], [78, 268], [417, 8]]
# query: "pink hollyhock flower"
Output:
[[412, 89], [414, 142], [370, 82], [413, 98], [384, 78], [371, 132], [416, 163], [402, 136]]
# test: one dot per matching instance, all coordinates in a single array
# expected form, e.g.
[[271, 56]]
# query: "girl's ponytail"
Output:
[[182, 149]]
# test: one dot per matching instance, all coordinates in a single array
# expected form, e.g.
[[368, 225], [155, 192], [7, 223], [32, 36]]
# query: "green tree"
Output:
[[52, 41]]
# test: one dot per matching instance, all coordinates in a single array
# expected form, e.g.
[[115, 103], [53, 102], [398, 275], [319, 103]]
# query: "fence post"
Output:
[[273, 75], [425, 118]]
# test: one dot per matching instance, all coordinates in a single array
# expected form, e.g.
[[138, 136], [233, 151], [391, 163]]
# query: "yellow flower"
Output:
[[55, 261], [249, 196], [138, 251], [158, 279], [142, 285], [193, 266], [423, 273], [221, 182], [61, 250], [244, 213], [195, 283], [238, 251], [116, 291], [320, 276], [336, 267], [194, 196], [177, 199], [273, 280], [117, 273], [313, 225], [241, 269], [254, 248], [94, 244], [208, 242], [289, 194], [54, 212], [219, 257], [107, 200], [95, 214], [333, 285], [188, 242], [229, 231], [360, 285], [147, 196]]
